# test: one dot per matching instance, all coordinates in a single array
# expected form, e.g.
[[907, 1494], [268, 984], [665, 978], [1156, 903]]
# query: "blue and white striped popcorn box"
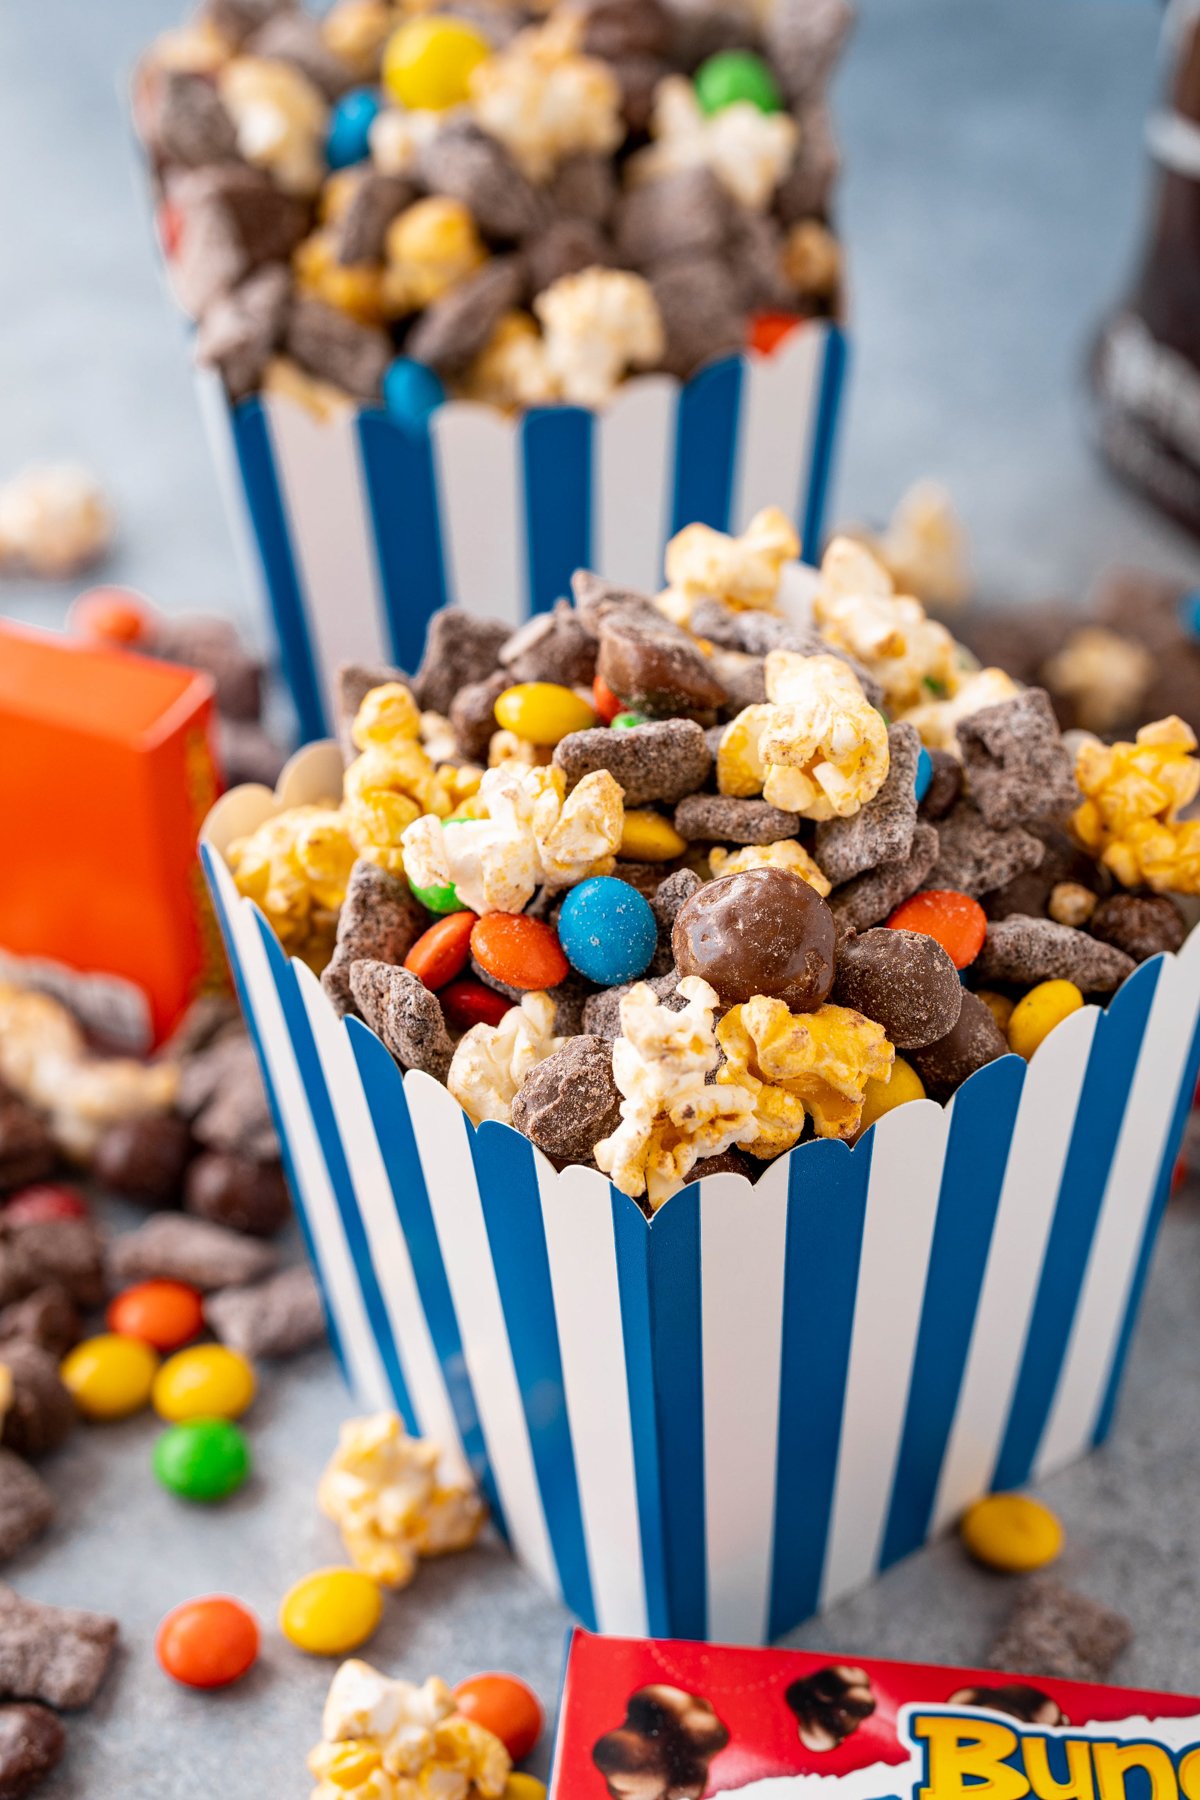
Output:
[[356, 528], [712, 1423]]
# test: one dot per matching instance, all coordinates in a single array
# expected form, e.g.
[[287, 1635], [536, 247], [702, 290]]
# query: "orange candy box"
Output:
[[106, 773]]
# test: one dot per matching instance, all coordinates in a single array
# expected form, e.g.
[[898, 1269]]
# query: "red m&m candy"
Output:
[[44, 1204], [506, 1707], [208, 1643]]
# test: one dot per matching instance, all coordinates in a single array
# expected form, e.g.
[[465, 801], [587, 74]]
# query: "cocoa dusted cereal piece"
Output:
[[871, 897], [240, 331], [718, 819], [973, 1041], [171, 1247], [1026, 951], [596, 599], [672, 893], [744, 679], [1052, 1630], [48, 1318], [602, 1013], [728, 1162], [468, 165], [206, 1019], [655, 667], [201, 641], [585, 187], [1029, 1704], [277, 1317], [236, 1116], [830, 1704], [334, 347], [807, 186], [293, 35], [56, 1654], [568, 1102], [945, 785], [1140, 925], [380, 921], [236, 20], [1018, 770], [882, 830], [973, 858], [360, 232], [804, 39], [1029, 892], [40, 1412], [64, 1252], [26, 1505], [27, 1148], [403, 1013], [763, 931], [473, 714], [233, 219], [663, 1747], [238, 1191], [565, 247], [903, 980], [456, 327], [144, 1158], [185, 121], [459, 648], [553, 646], [679, 215], [701, 311], [662, 761], [32, 1742]]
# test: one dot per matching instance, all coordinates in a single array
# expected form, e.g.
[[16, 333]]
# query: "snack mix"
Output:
[[672, 884], [518, 203]]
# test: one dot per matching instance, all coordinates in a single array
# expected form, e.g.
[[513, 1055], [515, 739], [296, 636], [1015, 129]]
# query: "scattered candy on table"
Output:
[[208, 1643], [330, 1611], [372, 1724], [505, 1706], [206, 1381], [1011, 1531], [110, 1377], [164, 1314], [202, 1459]]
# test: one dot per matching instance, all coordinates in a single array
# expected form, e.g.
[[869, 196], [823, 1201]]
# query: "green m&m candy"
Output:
[[202, 1459], [438, 899], [626, 721], [733, 75]]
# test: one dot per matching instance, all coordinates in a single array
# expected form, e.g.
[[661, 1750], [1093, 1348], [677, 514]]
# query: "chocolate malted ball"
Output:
[[144, 1158], [656, 668], [903, 980], [237, 1191], [974, 1041], [830, 1704], [27, 1148], [763, 931], [663, 1748], [1141, 925], [32, 1741]]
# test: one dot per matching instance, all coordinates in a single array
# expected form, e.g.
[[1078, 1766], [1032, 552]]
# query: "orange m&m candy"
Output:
[[441, 953], [951, 919], [519, 951], [504, 1706], [768, 330], [606, 703], [165, 1314], [208, 1643], [109, 615]]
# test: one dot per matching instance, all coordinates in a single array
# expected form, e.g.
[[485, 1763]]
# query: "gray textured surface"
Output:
[[991, 206]]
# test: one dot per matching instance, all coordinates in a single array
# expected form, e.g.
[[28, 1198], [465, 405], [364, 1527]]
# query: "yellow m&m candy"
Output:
[[110, 1377], [542, 712], [1011, 1532], [330, 1612], [205, 1382], [881, 1097], [428, 63], [647, 837], [1043, 1007], [524, 1787]]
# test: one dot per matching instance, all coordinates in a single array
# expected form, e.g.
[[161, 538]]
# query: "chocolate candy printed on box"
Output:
[[651, 924], [522, 204]]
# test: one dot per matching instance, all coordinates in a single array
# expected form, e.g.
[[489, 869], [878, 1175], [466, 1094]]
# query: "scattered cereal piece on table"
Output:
[[27, 1506], [32, 1742], [276, 1317], [40, 1411], [55, 1654], [1053, 1630], [173, 1248]]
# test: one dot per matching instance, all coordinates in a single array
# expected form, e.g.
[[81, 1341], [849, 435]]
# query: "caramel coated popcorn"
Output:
[[394, 781], [296, 867], [813, 1064], [391, 1740], [816, 747], [429, 247], [544, 100], [787, 854], [1132, 797], [1101, 675], [746, 149], [491, 1061], [856, 607], [381, 1489]]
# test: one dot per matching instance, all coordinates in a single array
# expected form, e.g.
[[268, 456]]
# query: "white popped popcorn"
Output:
[[856, 608], [382, 1491], [671, 1114], [544, 100], [816, 746], [54, 521], [511, 370], [788, 854], [391, 1740], [938, 720], [526, 831], [743, 571], [747, 150], [597, 326], [492, 1061], [925, 547], [397, 138], [281, 118]]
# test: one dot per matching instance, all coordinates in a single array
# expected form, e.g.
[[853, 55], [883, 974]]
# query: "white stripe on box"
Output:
[[581, 1251], [319, 467], [780, 398], [1041, 1139], [742, 1279], [633, 482], [217, 414], [364, 1368], [441, 1128], [477, 459], [1128, 1198], [902, 1199], [389, 1251]]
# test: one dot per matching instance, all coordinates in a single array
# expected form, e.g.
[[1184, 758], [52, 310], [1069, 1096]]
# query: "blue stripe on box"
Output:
[[512, 1211], [401, 484], [706, 440], [1114, 1056], [1162, 1193], [252, 440], [383, 1088], [324, 1120], [677, 1357], [981, 1127], [813, 503], [631, 1241], [556, 458], [208, 859], [827, 1205]]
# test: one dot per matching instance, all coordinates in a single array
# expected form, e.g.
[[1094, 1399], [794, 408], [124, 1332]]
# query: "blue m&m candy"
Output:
[[924, 774], [350, 128], [1189, 612], [411, 392], [607, 930]]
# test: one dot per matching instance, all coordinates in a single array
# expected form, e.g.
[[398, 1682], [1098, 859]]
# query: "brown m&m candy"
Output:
[[763, 931]]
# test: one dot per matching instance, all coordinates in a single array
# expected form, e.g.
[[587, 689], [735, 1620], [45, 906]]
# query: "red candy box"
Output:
[[660, 1720]]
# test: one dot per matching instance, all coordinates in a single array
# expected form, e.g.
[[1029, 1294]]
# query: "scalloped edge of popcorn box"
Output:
[[688, 1427]]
